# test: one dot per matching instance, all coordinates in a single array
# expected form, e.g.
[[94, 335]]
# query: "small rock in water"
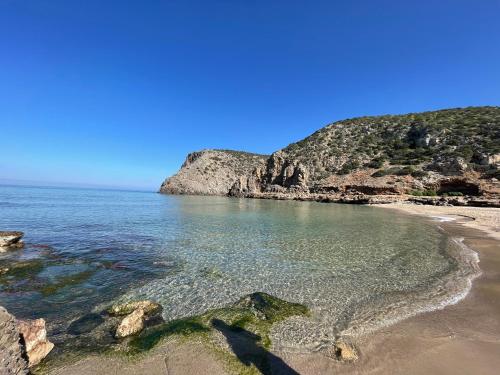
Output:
[[131, 324], [148, 307], [345, 351], [10, 240], [342, 351], [34, 335]]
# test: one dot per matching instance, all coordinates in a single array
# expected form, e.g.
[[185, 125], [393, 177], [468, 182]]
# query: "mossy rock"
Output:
[[149, 307], [254, 313]]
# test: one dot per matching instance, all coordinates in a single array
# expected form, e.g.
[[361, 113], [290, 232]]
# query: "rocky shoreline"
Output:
[[447, 157]]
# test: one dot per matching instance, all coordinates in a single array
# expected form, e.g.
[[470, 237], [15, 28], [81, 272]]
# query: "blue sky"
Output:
[[116, 93]]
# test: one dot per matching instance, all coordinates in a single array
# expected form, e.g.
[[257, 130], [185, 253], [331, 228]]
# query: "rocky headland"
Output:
[[446, 157], [212, 172]]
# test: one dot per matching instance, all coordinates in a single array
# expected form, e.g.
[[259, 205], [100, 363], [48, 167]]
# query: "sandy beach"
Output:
[[484, 219], [460, 339]]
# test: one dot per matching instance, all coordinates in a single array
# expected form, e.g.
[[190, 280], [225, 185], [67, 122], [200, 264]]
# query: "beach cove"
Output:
[[321, 331]]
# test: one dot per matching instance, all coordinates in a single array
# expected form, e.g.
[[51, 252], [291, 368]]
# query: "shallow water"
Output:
[[355, 267]]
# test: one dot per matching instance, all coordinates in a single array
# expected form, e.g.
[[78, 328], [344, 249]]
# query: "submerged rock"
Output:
[[11, 240], [267, 307], [34, 339], [12, 360], [148, 307], [342, 351], [131, 324], [85, 324]]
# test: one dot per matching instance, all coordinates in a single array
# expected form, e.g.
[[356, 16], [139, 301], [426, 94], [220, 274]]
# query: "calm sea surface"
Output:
[[356, 267]]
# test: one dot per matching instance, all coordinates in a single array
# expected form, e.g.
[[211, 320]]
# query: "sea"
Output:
[[357, 268]]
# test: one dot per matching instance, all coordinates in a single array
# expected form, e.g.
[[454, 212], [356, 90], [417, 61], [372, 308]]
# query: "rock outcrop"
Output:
[[12, 355], [34, 338], [211, 172], [23, 343], [449, 152], [10, 240]]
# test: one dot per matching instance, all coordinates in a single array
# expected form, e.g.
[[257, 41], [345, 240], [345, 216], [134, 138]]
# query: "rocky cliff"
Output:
[[453, 152], [212, 172]]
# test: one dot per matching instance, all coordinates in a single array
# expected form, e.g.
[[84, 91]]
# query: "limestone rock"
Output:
[[11, 239], [11, 350], [34, 335], [147, 306], [211, 172], [131, 324], [449, 165]]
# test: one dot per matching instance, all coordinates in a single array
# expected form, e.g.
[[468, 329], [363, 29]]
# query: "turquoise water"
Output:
[[356, 267]]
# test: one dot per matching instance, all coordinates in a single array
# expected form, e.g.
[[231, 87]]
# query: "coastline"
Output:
[[481, 218], [460, 338]]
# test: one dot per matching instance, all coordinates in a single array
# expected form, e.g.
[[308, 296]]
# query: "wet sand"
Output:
[[484, 219], [460, 339]]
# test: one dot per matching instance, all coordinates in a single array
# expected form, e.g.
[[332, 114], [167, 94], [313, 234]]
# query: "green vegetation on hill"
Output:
[[415, 139]]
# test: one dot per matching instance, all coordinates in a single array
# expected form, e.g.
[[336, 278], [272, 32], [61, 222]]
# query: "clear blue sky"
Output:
[[118, 92]]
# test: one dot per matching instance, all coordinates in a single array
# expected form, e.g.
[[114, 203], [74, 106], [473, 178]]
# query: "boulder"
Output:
[[149, 308], [133, 323], [12, 360], [11, 239], [34, 340]]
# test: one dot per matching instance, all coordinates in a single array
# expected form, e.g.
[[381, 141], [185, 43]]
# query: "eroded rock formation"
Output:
[[12, 355]]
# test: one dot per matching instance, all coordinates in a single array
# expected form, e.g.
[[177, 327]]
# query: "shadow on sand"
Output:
[[244, 345]]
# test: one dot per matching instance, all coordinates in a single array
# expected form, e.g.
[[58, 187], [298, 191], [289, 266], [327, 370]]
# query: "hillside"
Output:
[[448, 152], [211, 172]]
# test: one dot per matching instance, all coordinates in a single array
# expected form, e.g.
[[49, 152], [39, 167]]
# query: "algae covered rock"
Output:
[[147, 306], [266, 307], [130, 325], [254, 313]]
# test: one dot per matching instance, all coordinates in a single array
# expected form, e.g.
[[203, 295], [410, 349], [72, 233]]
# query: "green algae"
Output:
[[151, 337], [18, 271], [255, 313], [65, 281], [121, 309], [250, 319]]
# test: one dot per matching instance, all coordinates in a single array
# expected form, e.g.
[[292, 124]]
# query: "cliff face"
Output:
[[211, 172], [449, 152]]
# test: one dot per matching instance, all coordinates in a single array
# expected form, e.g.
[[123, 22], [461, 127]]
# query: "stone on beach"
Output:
[[10, 239], [34, 335], [345, 351], [131, 324]]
